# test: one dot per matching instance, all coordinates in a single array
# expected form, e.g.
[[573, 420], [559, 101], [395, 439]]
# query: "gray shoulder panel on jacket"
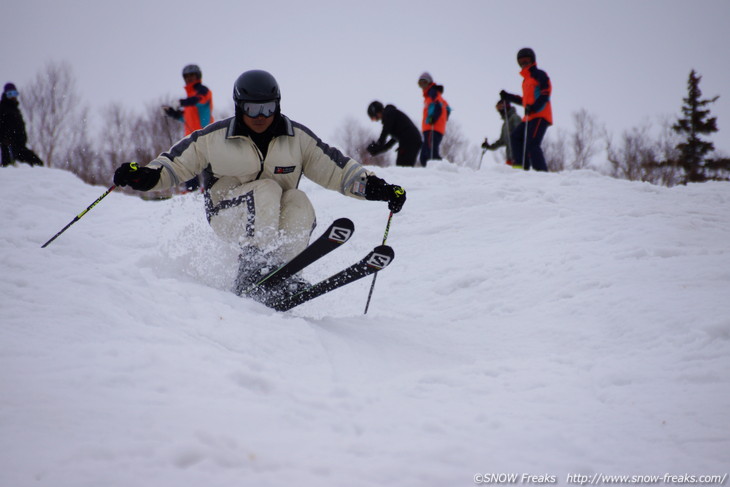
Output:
[[337, 157], [181, 146]]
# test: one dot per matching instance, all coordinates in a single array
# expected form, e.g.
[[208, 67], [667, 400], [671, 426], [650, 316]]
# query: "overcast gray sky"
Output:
[[624, 61]]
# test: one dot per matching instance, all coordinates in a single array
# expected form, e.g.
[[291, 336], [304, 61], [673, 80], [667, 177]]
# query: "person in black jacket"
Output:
[[12, 130], [402, 131]]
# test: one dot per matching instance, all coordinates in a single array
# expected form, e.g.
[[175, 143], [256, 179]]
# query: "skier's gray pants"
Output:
[[263, 215]]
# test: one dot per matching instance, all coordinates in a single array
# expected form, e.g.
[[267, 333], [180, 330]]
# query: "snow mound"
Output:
[[533, 323]]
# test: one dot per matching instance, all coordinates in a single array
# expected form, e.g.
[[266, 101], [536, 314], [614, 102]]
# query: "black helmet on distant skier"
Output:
[[374, 108], [526, 52], [192, 69]]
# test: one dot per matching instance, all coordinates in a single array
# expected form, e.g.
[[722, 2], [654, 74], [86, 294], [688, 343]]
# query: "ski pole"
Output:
[[375, 276], [169, 132], [431, 142], [78, 217], [524, 144], [510, 154], [480, 158]]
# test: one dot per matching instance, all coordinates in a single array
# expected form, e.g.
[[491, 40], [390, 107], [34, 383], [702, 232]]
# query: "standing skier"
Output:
[[435, 114], [402, 131], [252, 164], [508, 125], [196, 111], [536, 91], [13, 138]]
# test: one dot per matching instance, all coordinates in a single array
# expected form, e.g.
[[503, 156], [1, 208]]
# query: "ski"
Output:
[[376, 260], [338, 233]]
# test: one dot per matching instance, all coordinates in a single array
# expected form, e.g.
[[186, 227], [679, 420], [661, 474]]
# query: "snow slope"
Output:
[[550, 324]]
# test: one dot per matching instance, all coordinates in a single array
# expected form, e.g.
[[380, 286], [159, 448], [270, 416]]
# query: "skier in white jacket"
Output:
[[252, 164]]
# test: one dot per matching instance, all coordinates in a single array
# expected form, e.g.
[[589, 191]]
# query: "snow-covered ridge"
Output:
[[533, 323]]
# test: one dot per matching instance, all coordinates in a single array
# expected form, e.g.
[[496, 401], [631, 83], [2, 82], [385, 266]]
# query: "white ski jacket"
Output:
[[229, 158]]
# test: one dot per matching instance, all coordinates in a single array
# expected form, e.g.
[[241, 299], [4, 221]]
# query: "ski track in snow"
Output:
[[531, 323]]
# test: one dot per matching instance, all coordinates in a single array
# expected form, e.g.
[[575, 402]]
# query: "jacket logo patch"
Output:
[[284, 169]]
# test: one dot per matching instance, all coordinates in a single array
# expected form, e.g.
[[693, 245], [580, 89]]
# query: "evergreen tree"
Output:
[[696, 121], [718, 169]]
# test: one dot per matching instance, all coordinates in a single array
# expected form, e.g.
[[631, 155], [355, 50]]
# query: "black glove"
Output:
[[378, 190], [485, 145], [172, 113], [139, 178], [529, 109], [503, 95], [374, 148]]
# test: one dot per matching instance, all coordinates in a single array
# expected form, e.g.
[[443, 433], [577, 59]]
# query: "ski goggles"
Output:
[[12, 94], [256, 109]]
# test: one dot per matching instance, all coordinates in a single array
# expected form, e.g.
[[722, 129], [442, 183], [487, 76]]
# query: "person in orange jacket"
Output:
[[196, 111], [536, 91], [435, 114]]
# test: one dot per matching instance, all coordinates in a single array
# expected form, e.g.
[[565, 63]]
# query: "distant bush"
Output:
[[59, 131]]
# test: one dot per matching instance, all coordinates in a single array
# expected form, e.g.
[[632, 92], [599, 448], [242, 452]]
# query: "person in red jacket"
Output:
[[196, 111], [536, 91], [435, 114]]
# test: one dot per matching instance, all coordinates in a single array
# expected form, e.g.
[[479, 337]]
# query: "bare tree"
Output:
[[140, 138], [66, 155], [54, 111], [585, 139], [670, 171], [85, 162], [82, 157], [119, 139], [555, 149], [640, 156], [155, 133], [456, 148], [353, 138], [635, 157]]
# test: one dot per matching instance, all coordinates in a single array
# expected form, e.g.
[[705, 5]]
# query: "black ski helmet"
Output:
[[526, 52], [374, 108], [192, 69], [255, 85]]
